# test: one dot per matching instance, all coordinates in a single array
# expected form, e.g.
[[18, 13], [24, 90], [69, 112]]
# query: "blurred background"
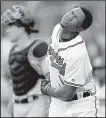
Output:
[[47, 14]]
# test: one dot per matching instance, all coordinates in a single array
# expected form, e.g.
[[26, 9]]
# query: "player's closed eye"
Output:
[[71, 18], [72, 13]]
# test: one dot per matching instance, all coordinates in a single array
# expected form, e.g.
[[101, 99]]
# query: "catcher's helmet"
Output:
[[17, 12], [18, 15]]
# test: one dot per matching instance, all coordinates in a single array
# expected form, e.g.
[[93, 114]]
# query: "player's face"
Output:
[[13, 32], [73, 20]]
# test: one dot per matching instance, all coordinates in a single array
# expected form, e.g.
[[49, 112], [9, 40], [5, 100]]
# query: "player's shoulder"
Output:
[[78, 53], [5, 42], [77, 49], [56, 29], [6, 46]]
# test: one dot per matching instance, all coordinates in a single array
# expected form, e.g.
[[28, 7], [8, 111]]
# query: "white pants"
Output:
[[38, 108], [84, 107]]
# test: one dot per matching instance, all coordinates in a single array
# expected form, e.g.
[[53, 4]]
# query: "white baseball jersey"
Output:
[[69, 64]]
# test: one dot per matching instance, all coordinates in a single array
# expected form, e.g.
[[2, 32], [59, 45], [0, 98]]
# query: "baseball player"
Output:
[[26, 61], [72, 90]]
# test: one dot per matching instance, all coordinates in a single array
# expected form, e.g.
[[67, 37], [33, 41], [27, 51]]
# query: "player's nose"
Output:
[[71, 17]]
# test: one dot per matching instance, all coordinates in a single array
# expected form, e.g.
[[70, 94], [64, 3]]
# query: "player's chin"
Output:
[[62, 25]]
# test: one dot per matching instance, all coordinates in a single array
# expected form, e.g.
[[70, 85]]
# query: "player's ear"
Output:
[[80, 29]]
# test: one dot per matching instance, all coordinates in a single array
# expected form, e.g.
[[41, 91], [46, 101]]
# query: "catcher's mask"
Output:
[[19, 16]]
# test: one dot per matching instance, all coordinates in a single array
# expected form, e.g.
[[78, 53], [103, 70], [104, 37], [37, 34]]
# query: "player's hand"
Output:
[[44, 82], [44, 86], [48, 80]]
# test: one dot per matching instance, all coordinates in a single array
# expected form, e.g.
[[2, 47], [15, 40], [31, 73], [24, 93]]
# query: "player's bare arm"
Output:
[[64, 93], [10, 105]]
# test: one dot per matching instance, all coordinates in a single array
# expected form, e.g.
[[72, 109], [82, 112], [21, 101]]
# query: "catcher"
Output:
[[26, 62]]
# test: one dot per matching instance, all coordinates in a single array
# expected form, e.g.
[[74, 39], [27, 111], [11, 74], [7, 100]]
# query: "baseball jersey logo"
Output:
[[57, 61]]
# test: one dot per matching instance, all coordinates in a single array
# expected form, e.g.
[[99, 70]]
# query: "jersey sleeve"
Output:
[[55, 32], [76, 72]]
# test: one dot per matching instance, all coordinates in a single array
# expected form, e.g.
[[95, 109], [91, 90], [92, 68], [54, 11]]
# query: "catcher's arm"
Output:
[[10, 104], [38, 58]]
